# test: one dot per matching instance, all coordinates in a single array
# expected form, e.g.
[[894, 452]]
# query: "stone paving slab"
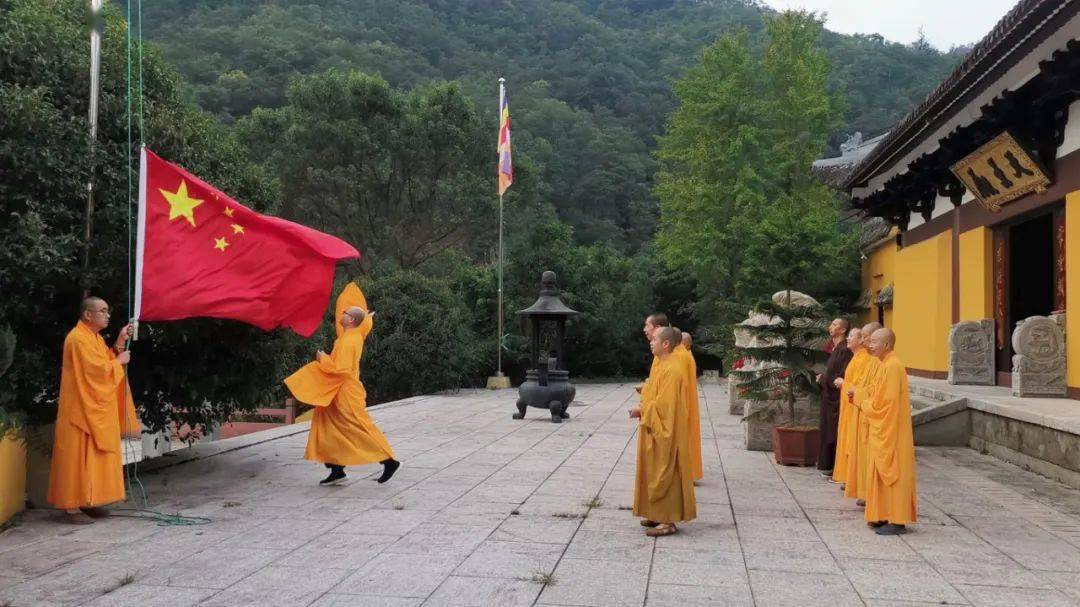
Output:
[[488, 510]]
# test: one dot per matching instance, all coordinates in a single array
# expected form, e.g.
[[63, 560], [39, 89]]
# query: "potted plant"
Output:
[[784, 357]]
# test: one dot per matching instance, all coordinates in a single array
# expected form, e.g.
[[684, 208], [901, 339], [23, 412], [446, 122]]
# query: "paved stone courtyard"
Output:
[[490, 511]]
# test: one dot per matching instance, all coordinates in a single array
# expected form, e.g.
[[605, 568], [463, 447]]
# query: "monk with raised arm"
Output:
[[664, 486], [891, 500], [689, 366], [95, 411], [342, 432]]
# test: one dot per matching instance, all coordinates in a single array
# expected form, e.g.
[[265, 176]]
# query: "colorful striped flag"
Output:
[[506, 167]]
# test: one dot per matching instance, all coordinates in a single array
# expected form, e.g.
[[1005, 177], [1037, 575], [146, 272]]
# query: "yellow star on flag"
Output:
[[180, 204], [237, 228], [220, 244], [228, 211]]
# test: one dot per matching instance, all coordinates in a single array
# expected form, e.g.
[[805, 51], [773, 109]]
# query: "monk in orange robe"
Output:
[[865, 381], [342, 433], [95, 410], [653, 323], [847, 431], [686, 357], [664, 486], [891, 500]]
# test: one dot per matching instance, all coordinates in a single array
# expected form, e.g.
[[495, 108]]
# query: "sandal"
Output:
[[648, 523], [662, 530]]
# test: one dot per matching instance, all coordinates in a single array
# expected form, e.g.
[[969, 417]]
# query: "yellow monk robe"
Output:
[[848, 428], [95, 407], [686, 358], [664, 484], [890, 494], [342, 432], [863, 389]]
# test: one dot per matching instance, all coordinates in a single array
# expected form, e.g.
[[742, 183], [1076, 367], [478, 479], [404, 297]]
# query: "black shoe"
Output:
[[336, 476], [860, 502], [876, 524], [826, 473], [390, 466], [891, 529]]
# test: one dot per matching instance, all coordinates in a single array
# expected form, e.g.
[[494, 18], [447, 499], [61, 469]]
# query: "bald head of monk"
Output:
[[352, 317], [95, 313], [868, 330], [854, 340], [664, 341], [653, 322], [687, 340], [882, 342]]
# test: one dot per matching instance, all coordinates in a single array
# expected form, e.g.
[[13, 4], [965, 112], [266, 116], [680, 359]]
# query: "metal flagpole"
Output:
[[95, 71], [499, 380], [498, 368]]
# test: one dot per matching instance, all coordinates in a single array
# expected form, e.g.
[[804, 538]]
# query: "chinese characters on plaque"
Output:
[[1000, 171]]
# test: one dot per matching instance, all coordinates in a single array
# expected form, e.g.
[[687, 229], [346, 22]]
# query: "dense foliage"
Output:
[[740, 208], [589, 80]]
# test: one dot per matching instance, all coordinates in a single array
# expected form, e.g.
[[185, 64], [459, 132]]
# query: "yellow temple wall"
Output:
[[976, 274], [1072, 294], [878, 270], [922, 303]]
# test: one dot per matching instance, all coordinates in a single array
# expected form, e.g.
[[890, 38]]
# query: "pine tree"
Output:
[[783, 353]]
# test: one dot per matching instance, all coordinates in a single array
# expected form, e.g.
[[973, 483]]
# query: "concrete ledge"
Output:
[[1058, 413], [206, 450], [1027, 462]]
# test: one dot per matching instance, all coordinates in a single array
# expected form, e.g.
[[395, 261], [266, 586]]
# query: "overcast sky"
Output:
[[945, 22]]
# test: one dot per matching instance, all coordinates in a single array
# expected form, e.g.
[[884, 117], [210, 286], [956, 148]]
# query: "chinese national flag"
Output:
[[200, 253]]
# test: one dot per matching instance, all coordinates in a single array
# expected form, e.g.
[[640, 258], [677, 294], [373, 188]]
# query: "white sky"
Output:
[[944, 22]]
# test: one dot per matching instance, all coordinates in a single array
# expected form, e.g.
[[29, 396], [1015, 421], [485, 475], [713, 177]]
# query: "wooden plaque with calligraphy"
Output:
[[1000, 171]]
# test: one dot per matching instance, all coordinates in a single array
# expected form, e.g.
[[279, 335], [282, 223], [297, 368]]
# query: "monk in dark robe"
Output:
[[830, 395]]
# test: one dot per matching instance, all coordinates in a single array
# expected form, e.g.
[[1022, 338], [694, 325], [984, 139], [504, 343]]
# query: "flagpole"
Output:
[[499, 346], [499, 380], [95, 70]]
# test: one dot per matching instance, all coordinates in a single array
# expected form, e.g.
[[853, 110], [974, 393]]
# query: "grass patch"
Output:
[[568, 515], [626, 507], [546, 579], [399, 506], [231, 504], [515, 512], [595, 502]]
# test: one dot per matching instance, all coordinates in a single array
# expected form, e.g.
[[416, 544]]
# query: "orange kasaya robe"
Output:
[[891, 492], [95, 407], [664, 484], [864, 384], [342, 432], [847, 430], [686, 358]]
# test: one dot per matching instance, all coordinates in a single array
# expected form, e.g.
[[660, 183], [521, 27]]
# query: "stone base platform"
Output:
[[1039, 434]]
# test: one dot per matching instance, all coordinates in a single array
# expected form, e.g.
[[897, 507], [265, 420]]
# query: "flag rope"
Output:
[[131, 471]]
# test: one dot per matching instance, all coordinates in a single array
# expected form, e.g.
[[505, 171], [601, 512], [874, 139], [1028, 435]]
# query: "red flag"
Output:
[[201, 253]]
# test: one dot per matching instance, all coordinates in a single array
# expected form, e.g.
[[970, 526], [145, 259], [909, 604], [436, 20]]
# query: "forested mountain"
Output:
[[589, 80]]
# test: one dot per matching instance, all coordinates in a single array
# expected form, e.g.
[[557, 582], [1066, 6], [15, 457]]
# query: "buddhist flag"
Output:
[[200, 253], [506, 167]]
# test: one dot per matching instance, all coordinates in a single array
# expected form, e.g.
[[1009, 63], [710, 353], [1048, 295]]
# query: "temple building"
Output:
[[971, 230]]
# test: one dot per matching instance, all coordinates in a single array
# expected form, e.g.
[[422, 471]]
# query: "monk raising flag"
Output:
[[201, 253], [342, 432], [95, 410]]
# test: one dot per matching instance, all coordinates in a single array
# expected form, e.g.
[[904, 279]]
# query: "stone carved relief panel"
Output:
[[971, 353], [1039, 360]]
